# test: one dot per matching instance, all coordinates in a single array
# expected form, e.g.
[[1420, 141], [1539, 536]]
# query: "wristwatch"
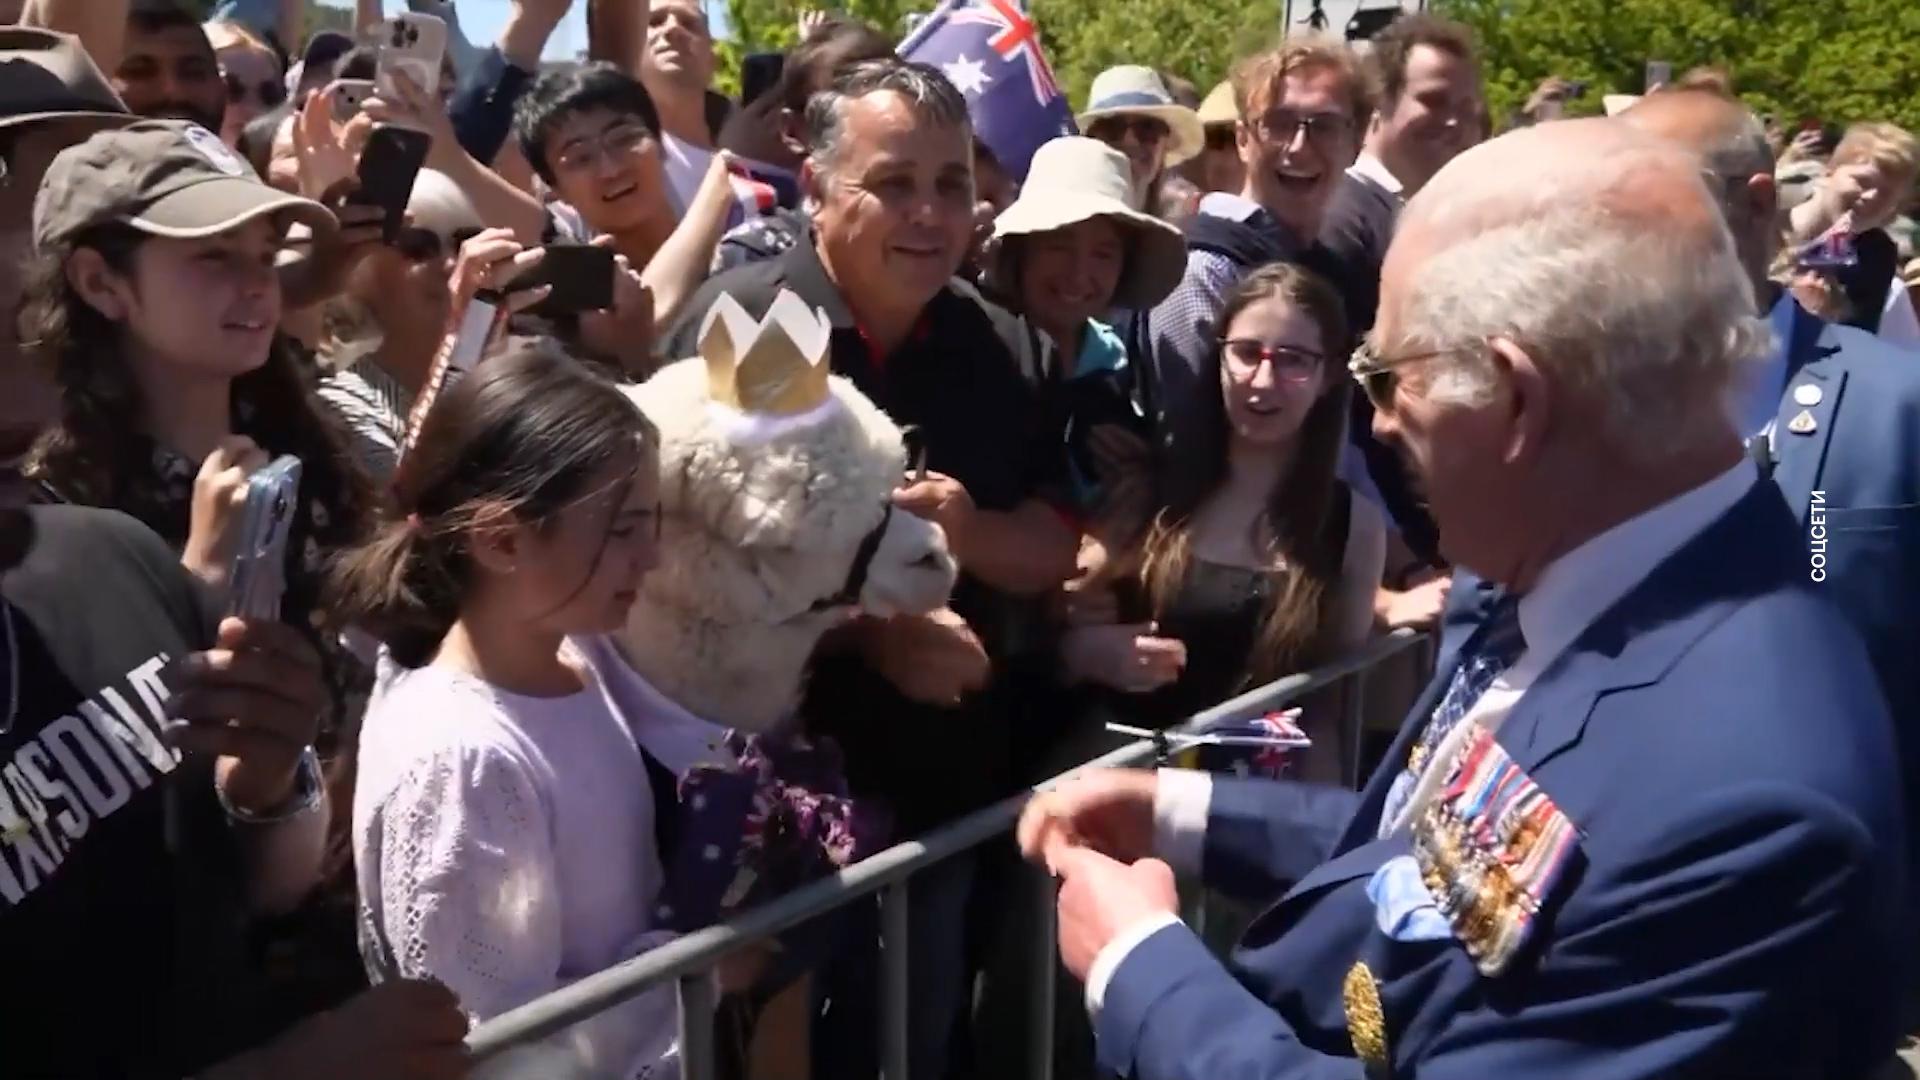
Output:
[[307, 789]]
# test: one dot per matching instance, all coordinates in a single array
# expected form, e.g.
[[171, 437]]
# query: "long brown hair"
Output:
[[97, 453], [522, 435], [1297, 523]]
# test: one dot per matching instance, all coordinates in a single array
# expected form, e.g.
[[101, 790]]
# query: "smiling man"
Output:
[[677, 68], [1301, 107], [923, 707], [169, 70], [1430, 100], [593, 135]]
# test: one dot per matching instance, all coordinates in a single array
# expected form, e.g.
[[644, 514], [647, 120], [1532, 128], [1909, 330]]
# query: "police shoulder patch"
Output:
[[1491, 847]]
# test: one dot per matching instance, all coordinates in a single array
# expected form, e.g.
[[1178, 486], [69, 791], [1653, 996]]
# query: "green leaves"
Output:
[[1839, 60]]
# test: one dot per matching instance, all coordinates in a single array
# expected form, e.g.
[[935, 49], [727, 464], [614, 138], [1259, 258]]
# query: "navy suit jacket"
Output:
[[1732, 908], [1863, 457]]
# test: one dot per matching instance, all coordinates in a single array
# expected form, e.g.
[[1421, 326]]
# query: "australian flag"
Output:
[[990, 49]]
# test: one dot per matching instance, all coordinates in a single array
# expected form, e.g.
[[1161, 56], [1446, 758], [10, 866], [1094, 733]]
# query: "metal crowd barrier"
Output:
[[689, 960]]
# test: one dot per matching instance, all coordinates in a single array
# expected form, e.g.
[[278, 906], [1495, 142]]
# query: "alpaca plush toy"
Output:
[[776, 484]]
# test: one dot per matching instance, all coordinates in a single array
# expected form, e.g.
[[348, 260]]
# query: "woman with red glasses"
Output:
[[1260, 563]]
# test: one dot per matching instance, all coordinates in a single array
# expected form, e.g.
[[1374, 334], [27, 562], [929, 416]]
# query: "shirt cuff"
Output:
[[1115, 952], [1181, 800]]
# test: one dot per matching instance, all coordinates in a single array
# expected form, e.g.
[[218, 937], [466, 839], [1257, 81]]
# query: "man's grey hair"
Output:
[[1653, 325], [932, 97]]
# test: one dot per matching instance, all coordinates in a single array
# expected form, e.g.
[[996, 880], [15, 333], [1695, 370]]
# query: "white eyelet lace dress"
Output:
[[505, 846]]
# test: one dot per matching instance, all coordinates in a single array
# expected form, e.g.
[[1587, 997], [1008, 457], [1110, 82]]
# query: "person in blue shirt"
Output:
[[1646, 821]]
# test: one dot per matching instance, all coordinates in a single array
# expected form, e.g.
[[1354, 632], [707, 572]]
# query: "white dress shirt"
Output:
[[1571, 594], [1899, 321], [1368, 167]]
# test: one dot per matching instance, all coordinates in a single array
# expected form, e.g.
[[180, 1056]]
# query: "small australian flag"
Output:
[[990, 49]]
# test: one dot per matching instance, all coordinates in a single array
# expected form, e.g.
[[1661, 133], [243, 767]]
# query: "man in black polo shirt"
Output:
[[925, 707]]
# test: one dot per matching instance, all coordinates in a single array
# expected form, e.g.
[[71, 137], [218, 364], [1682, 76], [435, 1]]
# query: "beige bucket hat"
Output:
[[1219, 106], [1133, 90], [1074, 179]]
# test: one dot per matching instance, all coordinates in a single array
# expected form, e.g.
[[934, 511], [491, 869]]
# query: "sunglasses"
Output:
[[1146, 130], [268, 92], [424, 245], [1376, 374], [1289, 364]]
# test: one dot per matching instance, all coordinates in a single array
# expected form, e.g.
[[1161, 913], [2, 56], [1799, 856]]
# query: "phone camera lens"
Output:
[[279, 507]]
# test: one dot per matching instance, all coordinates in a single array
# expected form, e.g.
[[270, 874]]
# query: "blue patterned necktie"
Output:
[[1494, 648]]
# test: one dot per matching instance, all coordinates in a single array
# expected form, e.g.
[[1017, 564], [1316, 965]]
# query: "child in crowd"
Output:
[[505, 822]]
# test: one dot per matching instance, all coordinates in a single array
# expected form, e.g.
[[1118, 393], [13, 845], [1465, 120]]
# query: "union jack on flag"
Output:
[[991, 51]]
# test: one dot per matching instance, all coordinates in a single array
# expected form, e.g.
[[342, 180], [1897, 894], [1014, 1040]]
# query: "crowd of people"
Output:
[[1626, 410]]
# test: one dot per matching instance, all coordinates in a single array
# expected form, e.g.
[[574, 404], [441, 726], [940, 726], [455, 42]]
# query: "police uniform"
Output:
[[1671, 848]]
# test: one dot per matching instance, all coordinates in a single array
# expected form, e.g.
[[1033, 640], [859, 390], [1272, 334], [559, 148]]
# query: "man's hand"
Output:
[[933, 659], [941, 499], [401, 1030], [219, 500], [624, 332], [1108, 810], [1101, 898], [322, 274], [254, 700]]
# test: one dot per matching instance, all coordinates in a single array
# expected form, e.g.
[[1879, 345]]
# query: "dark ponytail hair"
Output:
[[523, 434]]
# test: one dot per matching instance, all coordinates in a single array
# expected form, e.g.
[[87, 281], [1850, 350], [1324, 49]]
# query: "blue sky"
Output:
[[482, 20]]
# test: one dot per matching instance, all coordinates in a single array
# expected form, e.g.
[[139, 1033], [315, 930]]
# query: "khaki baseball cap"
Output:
[[166, 178]]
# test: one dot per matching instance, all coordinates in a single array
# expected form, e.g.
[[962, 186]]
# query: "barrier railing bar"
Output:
[[1353, 728], [895, 993], [697, 1001], [1045, 894], [697, 951]]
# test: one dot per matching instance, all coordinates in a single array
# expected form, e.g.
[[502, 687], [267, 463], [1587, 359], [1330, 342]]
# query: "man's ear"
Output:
[[813, 182], [1528, 399], [101, 286], [1763, 198]]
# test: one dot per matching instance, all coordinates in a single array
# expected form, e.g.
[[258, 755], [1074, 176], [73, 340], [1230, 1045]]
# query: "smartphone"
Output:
[[348, 95], [759, 73], [257, 578], [413, 43], [388, 165], [581, 276]]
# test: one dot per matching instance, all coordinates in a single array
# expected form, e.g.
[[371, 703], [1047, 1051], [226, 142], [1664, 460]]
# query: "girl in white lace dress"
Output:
[[504, 819]]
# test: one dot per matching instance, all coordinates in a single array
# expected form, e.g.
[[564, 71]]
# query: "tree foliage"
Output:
[[1835, 60], [1838, 60]]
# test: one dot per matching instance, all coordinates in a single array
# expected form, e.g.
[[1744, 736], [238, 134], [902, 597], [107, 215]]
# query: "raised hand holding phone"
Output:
[[219, 502]]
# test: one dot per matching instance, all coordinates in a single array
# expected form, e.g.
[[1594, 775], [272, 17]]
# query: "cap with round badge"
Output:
[[165, 178]]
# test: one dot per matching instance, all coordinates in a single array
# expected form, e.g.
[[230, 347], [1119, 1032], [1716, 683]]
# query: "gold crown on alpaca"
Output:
[[776, 365]]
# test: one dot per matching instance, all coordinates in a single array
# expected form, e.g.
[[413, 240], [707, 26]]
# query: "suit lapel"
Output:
[[1801, 454]]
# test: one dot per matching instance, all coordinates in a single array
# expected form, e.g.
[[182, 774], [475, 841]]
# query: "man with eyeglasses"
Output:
[[1646, 822], [592, 134], [1300, 110]]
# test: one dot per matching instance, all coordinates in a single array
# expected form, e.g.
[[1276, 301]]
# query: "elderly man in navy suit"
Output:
[[1646, 822]]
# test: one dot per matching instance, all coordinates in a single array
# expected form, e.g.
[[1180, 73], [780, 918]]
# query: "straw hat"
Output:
[[1074, 179], [1219, 106], [1132, 90]]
